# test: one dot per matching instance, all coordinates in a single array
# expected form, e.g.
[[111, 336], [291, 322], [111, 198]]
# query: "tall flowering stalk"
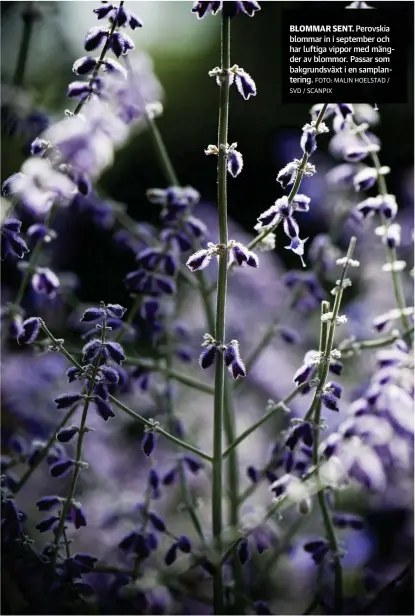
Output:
[[220, 324]]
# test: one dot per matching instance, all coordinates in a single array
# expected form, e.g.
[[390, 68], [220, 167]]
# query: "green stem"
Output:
[[355, 346], [29, 17], [162, 154], [220, 325], [45, 450]]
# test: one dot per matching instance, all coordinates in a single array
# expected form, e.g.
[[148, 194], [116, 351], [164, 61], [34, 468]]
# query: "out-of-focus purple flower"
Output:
[[45, 282], [132, 96], [11, 242], [61, 468], [148, 443], [30, 331], [38, 186]]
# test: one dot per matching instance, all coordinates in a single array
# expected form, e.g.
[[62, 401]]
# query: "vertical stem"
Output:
[[220, 331], [28, 17]]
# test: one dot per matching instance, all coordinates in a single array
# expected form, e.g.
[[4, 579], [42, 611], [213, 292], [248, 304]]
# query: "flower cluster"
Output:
[[230, 352], [230, 9]]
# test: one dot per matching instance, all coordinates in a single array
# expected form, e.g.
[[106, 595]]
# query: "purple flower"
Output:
[[184, 544], [303, 431], [30, 331], [77, 516], [66, 400], [95, 37], [253, 474], [243, 552], [308, 142], [233, 360], [199, 260], [148, 443], [208, 356], [235, 162], [61, 468], [335, 388], [230, 9], [388, 206], [66, 434], [45, 282], [193, 464], [47, 524], [104, 408], [365, 179], [116, 311], [121, 44], [297, 246], [11, 242], [318, 549], [329, 400], [156, 521], [115, 351], [392, 237], [84, 65], [287, 174], [171, 555], [47, 503], [245, 84], [38, 185]]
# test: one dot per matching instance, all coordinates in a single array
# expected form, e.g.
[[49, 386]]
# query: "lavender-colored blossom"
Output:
[[235, 162], [29, 331], [244, 82], [47, 503], [66, 434], [230, 9], [47, 524], [45, 282], [67, 400], [61, 468], [388, 206], [208, 356], [365, 179], [318, 549], [308, 142], [297, 246], [11, 241], [148, 443], [38, 186]]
